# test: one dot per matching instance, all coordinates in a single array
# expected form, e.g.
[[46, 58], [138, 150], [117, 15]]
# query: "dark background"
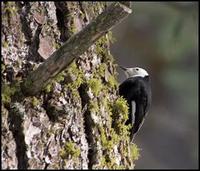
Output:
[[162, 38]]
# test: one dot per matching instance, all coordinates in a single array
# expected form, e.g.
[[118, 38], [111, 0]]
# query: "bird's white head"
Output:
[[134, 72]]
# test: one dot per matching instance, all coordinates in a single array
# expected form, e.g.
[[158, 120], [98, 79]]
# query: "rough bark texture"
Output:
[[74, 47], [77, 120]]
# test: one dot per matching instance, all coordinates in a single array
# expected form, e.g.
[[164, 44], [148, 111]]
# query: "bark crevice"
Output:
[[24, 10], [32, 40], [16, 127], [87, 123], [63, 18]]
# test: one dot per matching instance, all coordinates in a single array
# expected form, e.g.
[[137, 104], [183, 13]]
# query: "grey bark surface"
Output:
[[74, 47], [69, 124]]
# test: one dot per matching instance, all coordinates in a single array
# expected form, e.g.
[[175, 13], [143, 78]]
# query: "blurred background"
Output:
[[162, 37]]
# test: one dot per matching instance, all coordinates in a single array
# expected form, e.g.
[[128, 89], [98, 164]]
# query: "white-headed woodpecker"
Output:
[[137, 91]]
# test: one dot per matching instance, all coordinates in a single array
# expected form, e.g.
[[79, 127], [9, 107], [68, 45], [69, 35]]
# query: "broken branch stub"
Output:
[[74, 47]]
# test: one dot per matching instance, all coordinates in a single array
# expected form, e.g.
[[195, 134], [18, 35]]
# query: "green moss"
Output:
[[95, 85], [70, 149], [6, 95], [60, 77], [117, 131], [75, 72], [71, 78], [104, 103], [108, 58], [101, 70], [112, 82], [63, 154], [120, 108], [56, 45], [8, 91], [73, 68], [100, 46], [5, 44], [134, 151], [74, 78], [48, 88], [35, 101], [108, 142], [79, 80], [115, 137], [109, 162], [103, 161], [119, 116], [100, 51], [73, 87], [93, 106], [120, 167], [70, 17], [10, 7], [72, 28]]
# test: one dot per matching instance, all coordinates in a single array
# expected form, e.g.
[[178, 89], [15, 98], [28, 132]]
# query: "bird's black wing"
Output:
[[126, 90], [142, 99], [136, 89]]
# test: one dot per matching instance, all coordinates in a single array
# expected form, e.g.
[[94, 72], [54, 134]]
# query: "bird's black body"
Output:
[[136, 89]]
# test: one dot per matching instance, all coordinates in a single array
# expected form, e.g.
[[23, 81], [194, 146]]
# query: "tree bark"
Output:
[[74, 47], [78, 120]]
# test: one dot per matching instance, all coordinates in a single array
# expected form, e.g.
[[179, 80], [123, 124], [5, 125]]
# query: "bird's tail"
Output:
[[135, 130], [132, 136]]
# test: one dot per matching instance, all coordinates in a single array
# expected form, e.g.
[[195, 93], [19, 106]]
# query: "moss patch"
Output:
[[48, 88], [120, 109], [10, 7], [8, 91], [70, 149], [93, 106], [95, 85], [101, 70], [134, 152], [101, 46], [35, 101], [60, 77], [120, 116], [112, 82]]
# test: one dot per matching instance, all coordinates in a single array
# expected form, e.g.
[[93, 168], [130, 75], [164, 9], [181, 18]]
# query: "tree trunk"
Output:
[[78, 120]]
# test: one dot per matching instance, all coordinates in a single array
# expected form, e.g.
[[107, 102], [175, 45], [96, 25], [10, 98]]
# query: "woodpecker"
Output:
[[137, 91]]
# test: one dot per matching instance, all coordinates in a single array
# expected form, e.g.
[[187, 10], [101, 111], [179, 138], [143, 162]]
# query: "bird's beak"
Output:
[[123, 68]]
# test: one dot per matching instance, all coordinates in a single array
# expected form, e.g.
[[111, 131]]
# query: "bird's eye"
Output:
[[137, 69]]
